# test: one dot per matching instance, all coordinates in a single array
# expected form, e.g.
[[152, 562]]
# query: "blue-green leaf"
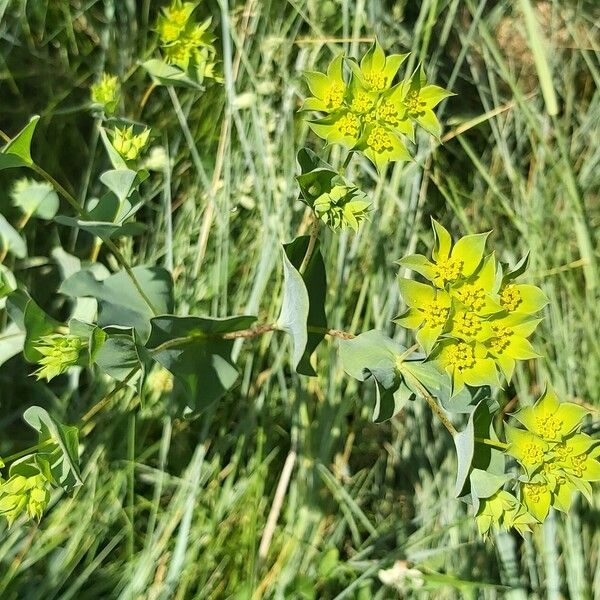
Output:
[[31, 319], [17, 153], [303, 310], [119, 301], [11, 240], [63, 455], [194, 350]]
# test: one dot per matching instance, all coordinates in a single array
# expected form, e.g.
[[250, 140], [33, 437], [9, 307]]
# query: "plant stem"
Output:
[[346, 161], [435, 407], [109, 243], [492, 443], [102, 403], [29, 450], [131, 483], [245, 333], [314, 234]]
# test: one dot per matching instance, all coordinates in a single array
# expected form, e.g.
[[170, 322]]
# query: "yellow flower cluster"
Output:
[[184, 42], [368, 113], [472, 318], [556, 457]]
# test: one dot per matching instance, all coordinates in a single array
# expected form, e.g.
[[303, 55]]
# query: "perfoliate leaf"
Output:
[[11, 240], [35, 198], [373, 354], [194, 350], [303, 305], [472, 454], [166, 74], [64, 457], [12, 341], [119, 301], [121, 182], [31, 319], [17, 153], [120, 353]]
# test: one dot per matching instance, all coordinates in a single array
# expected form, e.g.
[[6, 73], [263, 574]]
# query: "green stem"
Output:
[[314, 234], [346, 162], [492, 443], [435, 407], [109, 243], [131, 482], [102, 403], [30, 450]]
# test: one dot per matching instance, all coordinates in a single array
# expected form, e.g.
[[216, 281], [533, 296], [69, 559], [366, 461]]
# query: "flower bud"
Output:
[[24, 494], [59, 352], [106, 93]]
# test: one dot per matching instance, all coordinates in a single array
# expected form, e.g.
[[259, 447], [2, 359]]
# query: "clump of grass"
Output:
[[180, 508]]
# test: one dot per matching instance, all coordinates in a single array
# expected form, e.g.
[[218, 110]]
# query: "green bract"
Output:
[[129, 144], [461, 317], [366, 113], [25, 492], [503, 511]]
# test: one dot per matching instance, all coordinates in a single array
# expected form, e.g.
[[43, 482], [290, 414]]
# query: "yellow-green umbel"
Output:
[[466, 363], [419, 99], [341, 207], [173, 20], [451, 263], [367, 113], [507, 340], [522, 298], [558, 459], [381, 145], [477, 292], [502, 511], [129, 144], [377, 71], [529, 449], [549, 418]]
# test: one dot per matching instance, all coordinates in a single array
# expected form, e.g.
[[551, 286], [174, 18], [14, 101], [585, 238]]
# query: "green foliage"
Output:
[[198, 488], [120, 301], [193, 349], [302, 313]]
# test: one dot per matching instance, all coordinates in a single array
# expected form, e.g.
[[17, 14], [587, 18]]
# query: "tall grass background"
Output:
[[176, 508]]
